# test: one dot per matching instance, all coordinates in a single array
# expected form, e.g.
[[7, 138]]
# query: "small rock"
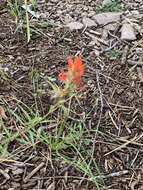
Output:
[[85, 8], [105, 2], [127, 32], [25, 68], [54, 1], [88, 22], [97, 52], [138, 1], [106, 18], [91, 13], [75, 25], [136, 14], [139, 51], [84, 14], [59, 12], [68, 19], [111, 27], [17, 171], [92, 43], [104, 34]]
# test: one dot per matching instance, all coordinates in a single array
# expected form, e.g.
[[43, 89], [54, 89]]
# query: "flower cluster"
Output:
[[72, 77]]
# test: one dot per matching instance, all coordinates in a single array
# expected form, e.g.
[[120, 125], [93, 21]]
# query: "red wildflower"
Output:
[[62, 76], [75, 71]]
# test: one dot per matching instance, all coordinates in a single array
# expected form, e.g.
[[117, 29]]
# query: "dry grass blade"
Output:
[[27, 22], [2, 113], [127, 142]]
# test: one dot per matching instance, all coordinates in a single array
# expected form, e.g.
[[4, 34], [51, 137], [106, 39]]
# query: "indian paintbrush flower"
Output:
[[71, 78], [75, 70]]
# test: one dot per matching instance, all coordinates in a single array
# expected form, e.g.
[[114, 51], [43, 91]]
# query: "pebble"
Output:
[[68, 19], [88, 22], [136, 14], [91, 13], [75, 25], [106, 18], [111, 27], [127, 32], [138, 1], [85, 8], [54, 1], [105, 2], [84, 14]]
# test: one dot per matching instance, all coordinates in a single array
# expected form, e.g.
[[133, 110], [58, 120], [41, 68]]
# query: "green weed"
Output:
[[114, 6], [21, 16], [58, 129], [113, 54], [23, 21]]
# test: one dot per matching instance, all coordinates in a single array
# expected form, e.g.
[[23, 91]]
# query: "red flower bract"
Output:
[[62, 76], [75, 71]]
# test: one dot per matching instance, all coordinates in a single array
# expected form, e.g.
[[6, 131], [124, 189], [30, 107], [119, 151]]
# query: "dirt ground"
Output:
[[112, 100]]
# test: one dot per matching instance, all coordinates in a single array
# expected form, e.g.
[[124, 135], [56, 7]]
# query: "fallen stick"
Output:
[[124, 55], [7, 177], [33, 172], [135, 63]]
